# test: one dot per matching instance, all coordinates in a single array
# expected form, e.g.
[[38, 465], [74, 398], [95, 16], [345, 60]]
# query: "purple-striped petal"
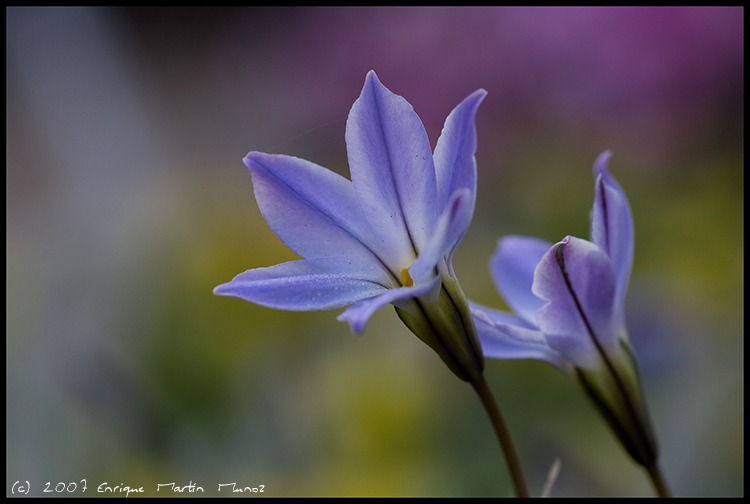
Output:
[[455, 164], [392, 171], [612, 228], [578, 280], [312, 284], [310, 208], [512, 269]]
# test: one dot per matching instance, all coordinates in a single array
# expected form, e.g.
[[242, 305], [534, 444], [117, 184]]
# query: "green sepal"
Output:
[[442, 320], [616, 392]]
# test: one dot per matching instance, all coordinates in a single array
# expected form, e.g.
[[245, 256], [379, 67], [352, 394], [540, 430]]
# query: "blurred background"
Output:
[[128, 202]]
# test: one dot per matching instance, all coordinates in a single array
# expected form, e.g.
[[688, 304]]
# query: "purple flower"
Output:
[[568, 300], [385, 237]]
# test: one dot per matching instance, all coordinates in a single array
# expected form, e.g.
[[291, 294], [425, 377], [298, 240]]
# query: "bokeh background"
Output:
[[127, 202]]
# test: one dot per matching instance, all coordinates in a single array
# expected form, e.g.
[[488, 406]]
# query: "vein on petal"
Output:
[[392, 178], [337, 222], [559, 251]]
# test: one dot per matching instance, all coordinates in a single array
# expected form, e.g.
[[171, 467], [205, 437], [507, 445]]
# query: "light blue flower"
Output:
[[385, 237], [569, 304]]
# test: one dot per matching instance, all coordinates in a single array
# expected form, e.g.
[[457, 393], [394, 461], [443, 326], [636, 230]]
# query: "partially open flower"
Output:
[[568, 300]]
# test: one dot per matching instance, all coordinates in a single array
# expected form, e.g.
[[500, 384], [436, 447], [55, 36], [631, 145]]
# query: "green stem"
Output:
[[506, 443], [657, 479]]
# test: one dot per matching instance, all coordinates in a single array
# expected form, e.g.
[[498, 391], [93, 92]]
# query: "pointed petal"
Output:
[[512, 269], [578, 280], [455, 165], [359, 313], [612, 227], [313, 284], [310, 208], [492, 316], [504, 336], [392, 170], [450, 229]]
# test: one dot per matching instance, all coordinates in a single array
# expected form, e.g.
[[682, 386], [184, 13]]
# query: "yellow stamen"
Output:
[[406, 279]]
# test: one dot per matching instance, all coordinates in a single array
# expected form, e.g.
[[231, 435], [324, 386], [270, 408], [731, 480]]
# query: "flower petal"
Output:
[[578, 280], [455, 165], [512, 269], [358, 314], [392, 171], [311, 209], [612, 227], [313, 284], [492, 316], [451, 227], [504, 336]]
